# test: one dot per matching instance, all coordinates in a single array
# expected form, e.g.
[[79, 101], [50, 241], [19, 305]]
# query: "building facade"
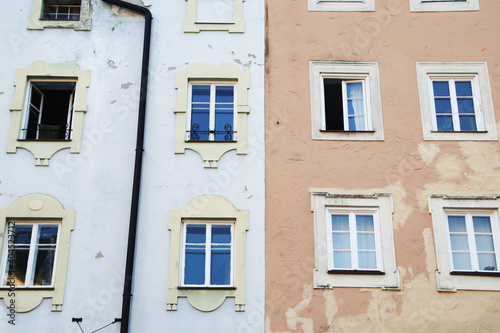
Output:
[[69, 97], [382, 166]]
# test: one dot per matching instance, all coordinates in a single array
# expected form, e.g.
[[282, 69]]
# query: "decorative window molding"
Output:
[[456, 101], [202, 211], [31, 133], [443, 5], [371, 264], [209, 15], [342, 5], [224, 75], [345, 101], [456, 235], [36, 210], [51, 14]]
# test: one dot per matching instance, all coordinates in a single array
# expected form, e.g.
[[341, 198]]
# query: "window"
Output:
[[354, 241], [341, 5], [221, 15], [207, 254], [207, 251], [443, 5], [60, 14], [456, 101], [48, 108], [35, 248], [467, 236], [354, 244], [211, 111], [345, 101]]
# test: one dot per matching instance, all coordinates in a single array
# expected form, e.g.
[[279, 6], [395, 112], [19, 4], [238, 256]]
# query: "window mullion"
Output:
[[344, 106], [208, 254], [454, 105], [472, 242], [232, 263], [211, 126], [366, 104], [478, 107], [354, 242], [28, 281]]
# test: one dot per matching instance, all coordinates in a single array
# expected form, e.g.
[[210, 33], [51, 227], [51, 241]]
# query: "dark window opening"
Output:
[[61, 10], [334, 115], [50, 111]]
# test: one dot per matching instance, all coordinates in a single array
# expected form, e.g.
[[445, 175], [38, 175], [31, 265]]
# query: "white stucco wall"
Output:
[[97, 182]]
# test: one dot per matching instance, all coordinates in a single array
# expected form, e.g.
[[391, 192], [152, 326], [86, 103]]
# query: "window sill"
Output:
[[479, 132], [44, 140], [205, 141], [21, 288], [476, 273], [205, 288], [52, 20], [340, 131], [355, 271]]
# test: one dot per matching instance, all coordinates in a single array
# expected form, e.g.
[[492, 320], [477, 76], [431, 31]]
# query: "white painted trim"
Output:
[[443, 6], [341, 5]]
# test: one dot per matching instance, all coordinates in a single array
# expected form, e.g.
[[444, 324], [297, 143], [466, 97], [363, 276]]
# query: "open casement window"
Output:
[[32, 259], [220, 15], [455, 100], [48, 108], [342, 5], [345, 101], [443, 5], [354, 242], [60, 14], [212, 112], [207, 254], [34, 243], [467, 239]]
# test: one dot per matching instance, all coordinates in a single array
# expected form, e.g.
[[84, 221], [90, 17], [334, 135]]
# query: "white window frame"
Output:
[[342, 5], [440, 206], [32, 248], [352, 213], [477, 73], [213, 86], [208, 252], [443, 5], [326, 201], [367, 72], [192, 24]]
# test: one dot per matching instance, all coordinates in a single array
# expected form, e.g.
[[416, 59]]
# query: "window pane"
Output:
[[459, 243], [224, 127], [341, 240], [481, 224], [443, 105], [357, 123], [18, 267], [487, 262], [221, 265], [342, 259], [47, 234], [195, 233], [367, 260], [461, 261], [457, 223], [355, 106], [465, 105], [444, 123], [221, 234], [485, 243], [468, 123], [340, 222], [44, 265], [224, 94], [200, 93], [441, 88], [364, 222], [210, 11], [22, 233], [366, 241], [463, 88], [194, 268], [354, 90]]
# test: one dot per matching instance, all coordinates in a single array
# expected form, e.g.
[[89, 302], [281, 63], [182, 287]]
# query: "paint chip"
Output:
[[99, 255], [111, 64], [126, 85]]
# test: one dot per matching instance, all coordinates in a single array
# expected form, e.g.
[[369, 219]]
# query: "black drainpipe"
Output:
[[134, 209]]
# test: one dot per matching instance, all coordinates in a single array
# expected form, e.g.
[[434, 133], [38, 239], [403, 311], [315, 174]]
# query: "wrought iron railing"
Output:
[[226, 135], [48, 132]]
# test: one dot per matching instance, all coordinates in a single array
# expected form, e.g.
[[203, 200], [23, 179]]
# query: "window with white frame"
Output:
[[341, 5], [30, 260], [467, 240], [443, 5], [207, 254], [354, 242], [49, 106], [209, 15], [456, 103], [212, 112], [75, 14], [345, 101]]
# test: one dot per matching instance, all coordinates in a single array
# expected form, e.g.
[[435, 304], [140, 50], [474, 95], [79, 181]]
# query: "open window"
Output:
[[48, 108], [73, 14], [443, 5], [345, 101]]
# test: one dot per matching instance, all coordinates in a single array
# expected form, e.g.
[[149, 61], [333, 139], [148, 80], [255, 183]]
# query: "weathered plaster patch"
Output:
[[428, 151], [126, 85], [430, 258], [450, 167], [111, 64], [99, 255]]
